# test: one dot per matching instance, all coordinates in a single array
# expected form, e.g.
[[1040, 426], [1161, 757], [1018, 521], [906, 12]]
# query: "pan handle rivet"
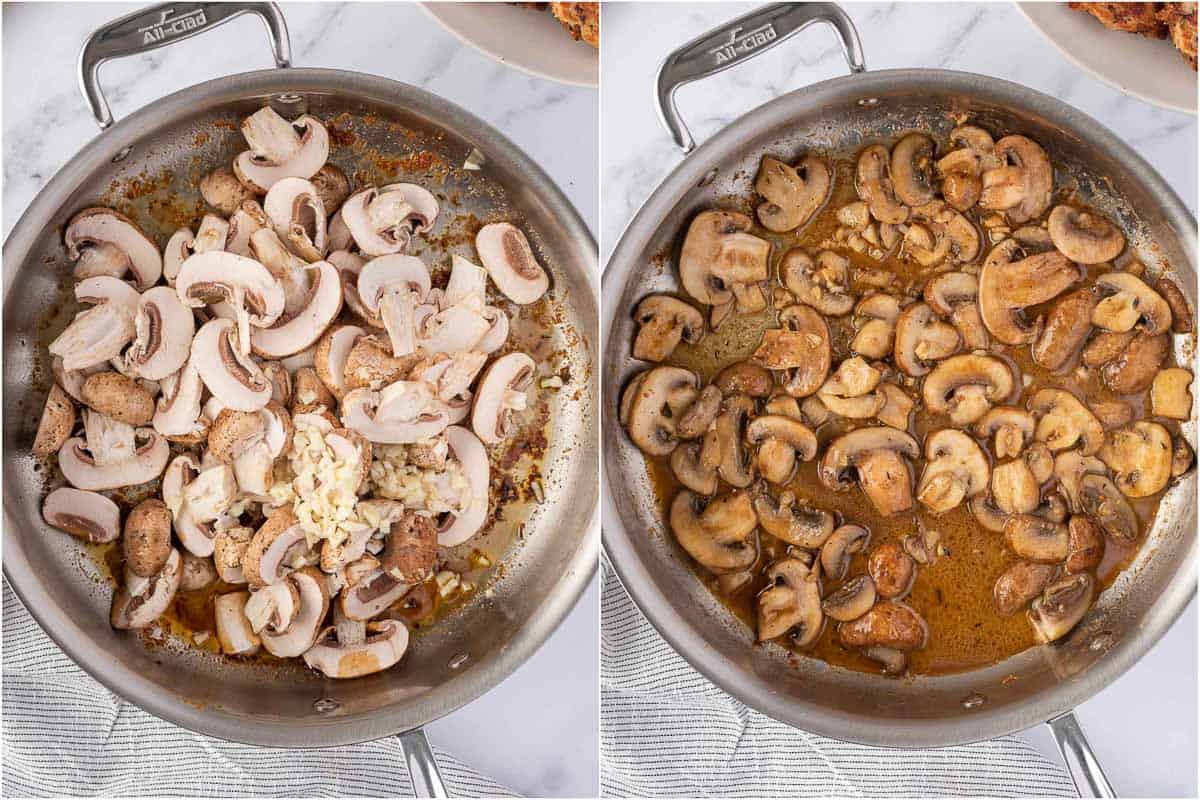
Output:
[[973, 700], [459, 660], [326, 705]]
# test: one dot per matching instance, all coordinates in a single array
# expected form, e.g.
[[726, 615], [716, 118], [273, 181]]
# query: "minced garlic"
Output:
[[322, 488]]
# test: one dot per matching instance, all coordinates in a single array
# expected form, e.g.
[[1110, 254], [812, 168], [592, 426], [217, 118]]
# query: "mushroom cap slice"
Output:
[[1084, 237], [223, 191], [247, 288], [877, 454], [118, 397], [1037, 539], [145, 463], [468, 451], [1134, 368], [721, 537], [873, 181], [147, 539], [85, 515], [658, 390], [314, 605], [177, 413], [793, 194], [1019, 584], [781, 441], [922, 338], [272, 551], [875, 317], [1063, 420], [509, 260], [1066, 328], [788, 521], [852, 599], [1022, 185], [100, 238], [164, 327], [1130, 302], [1085, 544], [888, 624], [100, 333], [1100, 499], [955, 469], [299, 331], [1061, 606], [237, 381], [370, 590], [384, 645], [664, 321], [912, 169], [402, 413], [744, 377], [842, 544], [687, 464], [717, 253], [948, 388], [1139, 457], [236, 636], [1012, 427], [1007, 287], [1171, 394], [56, 424], [501, 390], [791, 603], [823, 282], [801, 346], [260, 171], [330, 357], [295, 209], [142, 600]]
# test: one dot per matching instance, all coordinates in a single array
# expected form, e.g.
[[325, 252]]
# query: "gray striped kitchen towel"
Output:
[[66, 735], [666, 731]]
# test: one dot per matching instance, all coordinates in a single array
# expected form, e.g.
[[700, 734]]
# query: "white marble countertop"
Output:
[[1143, 727], [536, 732]]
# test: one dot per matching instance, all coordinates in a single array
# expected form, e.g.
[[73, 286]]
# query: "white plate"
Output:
[[532, 41], [1149, 69]]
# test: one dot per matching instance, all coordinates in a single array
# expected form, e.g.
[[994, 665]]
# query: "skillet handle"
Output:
[[740, 40], [422, 769], [1081, 762], [159, 26]]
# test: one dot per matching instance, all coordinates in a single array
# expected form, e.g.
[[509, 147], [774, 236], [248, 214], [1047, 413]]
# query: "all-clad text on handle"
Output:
[[740, 40], [159, 26]]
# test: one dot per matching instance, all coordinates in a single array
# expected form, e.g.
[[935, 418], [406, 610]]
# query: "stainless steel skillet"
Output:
[[839, 116], [146, 163]]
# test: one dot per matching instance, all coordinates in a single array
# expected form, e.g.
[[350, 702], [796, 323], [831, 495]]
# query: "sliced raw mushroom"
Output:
[[115, 459], [781, 441], [391, 288], [310, 391], [331, 356], [273, 607], [380, 646], [954, 295], [98, 334], [147, 539], [1170, 393], [198, 573], [56, 424], [177, 413], [823, 282], [278, 150], [229, 549], [333, 187], [663, 321], [877, 455], [1021, 186], [164, 329], [235, 379], [719, 253], [800, 346], [1012, 428], [205, 499], [788, 521], [252, 292], [852, 599], [85, 515], [314, 605], [384, 221], [1064, 420], [888, 624], [873, 181], [468, 452], [921, 339], [289, 270], [1008, 286], [401, 413], [118, 397], [244, 225], [892, 570], [298, 215], [105, 243], [877, 314], [501, 392], [791, 603], [1037, 539], [956, 469], [912, 169], [298, 330], [274, 550], [509, 260], [793, 194], [1085, 237], [1061, 606], [1129, 303], [721, 535], [1066, 329], [966, 386], [251, 441], [141, 600], [1019, 584], [1139, 457], [223, 191], [660, 396], [234, 633]]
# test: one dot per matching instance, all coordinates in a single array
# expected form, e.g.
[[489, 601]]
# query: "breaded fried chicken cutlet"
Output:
[[582, 20], [1180, 19], [1176, 21]]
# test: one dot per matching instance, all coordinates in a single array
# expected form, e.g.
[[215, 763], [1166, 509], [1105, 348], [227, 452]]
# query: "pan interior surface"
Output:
[[838, 118], [382, 132]]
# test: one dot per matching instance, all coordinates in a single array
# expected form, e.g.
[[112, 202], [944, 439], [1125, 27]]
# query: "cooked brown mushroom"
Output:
[[791, 522], [736, 467], [1132, 371], [897, 406], [887, 624], [850, 390], [892, 570], [822, 282], [1064, 420], [961, 169], [1130, 302], [966, 386], [922, 338], [1036, 539], [663, 322], [1085, 237], [800, 346], [1182, 457], [955, 469], [1140, 458], [873, 180], [658, 398], [1011, 426], [690, 469], [1170, 393], [1019, 584], [876, 314], [744, 378], [1181, 312], [719, 253], [840, 547], [1061, 606], [793, 194], [912, 169], [1066, 329], [1011, 282], [1021, 186], [791, 603], [1102, 500], [1085, 545], [955, 295], [781, 442], [721, 536], [852, 599], [878, 455]]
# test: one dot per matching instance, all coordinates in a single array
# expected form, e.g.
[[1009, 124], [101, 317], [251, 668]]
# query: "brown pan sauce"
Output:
[[953, 593]]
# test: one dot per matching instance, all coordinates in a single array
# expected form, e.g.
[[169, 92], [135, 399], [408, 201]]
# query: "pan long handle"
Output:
[[422, 769], [740, 40], [159, 26], [1080, 760]]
